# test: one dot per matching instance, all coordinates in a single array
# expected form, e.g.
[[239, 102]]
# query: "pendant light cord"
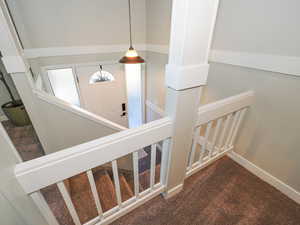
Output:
[[129, 10]]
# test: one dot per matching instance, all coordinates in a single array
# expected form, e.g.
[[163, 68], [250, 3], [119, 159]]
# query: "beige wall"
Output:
[[270, 134], [158, 21], [59, 23]]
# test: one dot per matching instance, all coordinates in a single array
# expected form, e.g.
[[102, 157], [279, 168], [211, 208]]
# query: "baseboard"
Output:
[[265, 176], [3, 118], [174, 191]]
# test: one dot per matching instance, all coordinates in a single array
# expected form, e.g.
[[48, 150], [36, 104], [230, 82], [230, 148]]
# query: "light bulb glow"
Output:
[[131, 53]]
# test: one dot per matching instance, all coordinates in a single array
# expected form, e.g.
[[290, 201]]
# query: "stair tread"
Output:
[[145, 177], [82, 197], [126, 190], [106, 190]]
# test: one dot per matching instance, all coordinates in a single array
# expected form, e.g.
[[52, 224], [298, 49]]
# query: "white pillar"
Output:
[[133, 73], [186, 73]]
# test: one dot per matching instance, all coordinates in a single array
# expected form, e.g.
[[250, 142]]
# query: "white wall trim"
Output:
[[265, 176], [155, 108], [77, 110], [275, 63], [172, 192], [3, 118], [163, 49], [92, 49]]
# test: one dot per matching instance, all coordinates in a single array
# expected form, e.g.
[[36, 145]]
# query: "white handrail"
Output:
[[223, 107], [77, 110], [41, 172]]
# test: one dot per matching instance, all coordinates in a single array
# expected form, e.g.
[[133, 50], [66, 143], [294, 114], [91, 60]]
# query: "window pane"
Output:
[[63, 85]]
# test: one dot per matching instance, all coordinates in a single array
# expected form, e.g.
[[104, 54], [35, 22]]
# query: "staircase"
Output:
[[82, 197]]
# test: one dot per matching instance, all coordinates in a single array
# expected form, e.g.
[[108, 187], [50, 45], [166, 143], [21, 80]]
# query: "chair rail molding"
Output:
[[289, 65], [32, 53]]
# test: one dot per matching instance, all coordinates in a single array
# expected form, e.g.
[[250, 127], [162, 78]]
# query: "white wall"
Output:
[[270, 134], [16, 207], [59, 23]]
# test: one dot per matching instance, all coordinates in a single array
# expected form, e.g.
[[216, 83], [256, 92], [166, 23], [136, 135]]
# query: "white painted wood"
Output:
[[43, 206], [192, 26], [32, 53], [69, 203], [174, 191], [289, 65], [223, 107], [224, 131], [95, 192], [152, 165], [204, 145], [77, 110], [116, 181], [265, 176], [44, 171], [135, 158], [195, 141], [235, 132], [155, 108], [184, 77], [232, 127], [78, 50], [198, 166], [14, 64], [216, 133]]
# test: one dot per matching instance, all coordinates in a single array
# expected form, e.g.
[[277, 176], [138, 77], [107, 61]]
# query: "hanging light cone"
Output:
[[131, 56]]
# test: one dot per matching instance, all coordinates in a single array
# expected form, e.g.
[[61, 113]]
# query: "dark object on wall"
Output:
[[14, 110]]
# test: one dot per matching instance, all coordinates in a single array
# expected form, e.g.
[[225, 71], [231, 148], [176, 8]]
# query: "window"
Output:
[[63, 85]]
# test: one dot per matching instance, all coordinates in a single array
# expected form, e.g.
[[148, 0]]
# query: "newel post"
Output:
[[186, 73]]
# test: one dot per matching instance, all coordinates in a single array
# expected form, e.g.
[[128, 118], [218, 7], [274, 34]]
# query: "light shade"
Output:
[[131, 57]]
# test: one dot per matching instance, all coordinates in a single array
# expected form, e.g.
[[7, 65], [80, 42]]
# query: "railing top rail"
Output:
[[223, 107], [44, 171]]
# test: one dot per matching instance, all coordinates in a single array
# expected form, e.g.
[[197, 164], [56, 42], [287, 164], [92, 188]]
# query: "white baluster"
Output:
[[117, 182], [69, 203], [224, 131], [95, 192], [152, 165], [242, 114], [216, 133], [195, 142], [204, 144], [135, 158], [233, 124]]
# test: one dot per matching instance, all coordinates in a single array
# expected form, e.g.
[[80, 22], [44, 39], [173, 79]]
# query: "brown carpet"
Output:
[[222, 194], [25, 140]]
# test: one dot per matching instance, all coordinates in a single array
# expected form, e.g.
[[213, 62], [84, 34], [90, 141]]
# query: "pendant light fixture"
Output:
[[131, 56]]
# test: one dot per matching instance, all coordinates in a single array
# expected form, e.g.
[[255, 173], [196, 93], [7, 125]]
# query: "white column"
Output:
[[186, 73], [133, 73]]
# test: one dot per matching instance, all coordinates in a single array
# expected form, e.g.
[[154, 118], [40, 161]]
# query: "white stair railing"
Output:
[[55, 168], [216, 130]]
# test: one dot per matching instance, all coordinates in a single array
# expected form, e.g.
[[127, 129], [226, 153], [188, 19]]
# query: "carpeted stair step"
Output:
[[145, 177], [106, 190], [126, 190]]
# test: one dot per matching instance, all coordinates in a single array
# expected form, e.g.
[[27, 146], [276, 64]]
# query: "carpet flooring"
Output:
[[25, 140], [222, 194]]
